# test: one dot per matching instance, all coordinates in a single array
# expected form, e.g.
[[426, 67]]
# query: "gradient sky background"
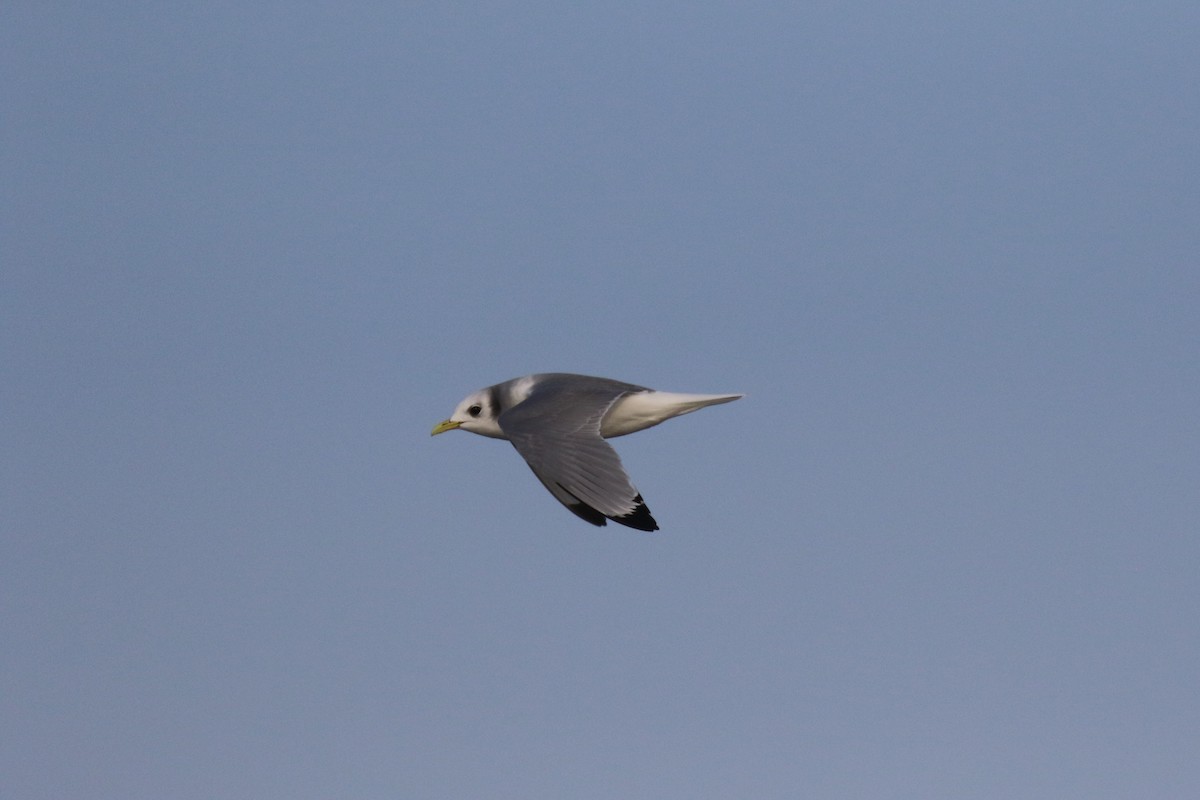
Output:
[[945, 547]]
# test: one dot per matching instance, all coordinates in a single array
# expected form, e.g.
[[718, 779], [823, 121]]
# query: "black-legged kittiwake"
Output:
[[558, 422]]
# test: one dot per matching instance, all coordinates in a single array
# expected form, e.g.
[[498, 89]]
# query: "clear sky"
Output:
[[946, 547]]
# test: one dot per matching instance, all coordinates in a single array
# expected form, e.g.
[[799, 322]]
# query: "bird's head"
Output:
[[476, 414]]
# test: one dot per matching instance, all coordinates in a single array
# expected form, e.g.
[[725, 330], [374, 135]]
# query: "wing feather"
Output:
[[556, 429]]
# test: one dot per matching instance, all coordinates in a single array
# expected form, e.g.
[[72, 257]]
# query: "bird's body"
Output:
[[558, 423]]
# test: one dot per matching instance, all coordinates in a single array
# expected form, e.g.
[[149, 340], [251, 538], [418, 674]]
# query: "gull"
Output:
[[558, 423]]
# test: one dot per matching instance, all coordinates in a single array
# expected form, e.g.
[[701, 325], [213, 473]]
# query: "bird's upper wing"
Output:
[[556, 429]]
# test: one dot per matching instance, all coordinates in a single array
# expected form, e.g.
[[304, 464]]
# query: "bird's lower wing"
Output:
[[561, 443]]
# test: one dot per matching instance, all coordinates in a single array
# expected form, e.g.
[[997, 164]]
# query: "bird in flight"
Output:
[[558, 422]]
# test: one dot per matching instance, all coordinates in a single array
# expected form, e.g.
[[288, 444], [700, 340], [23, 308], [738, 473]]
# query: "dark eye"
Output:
[[474, 410]]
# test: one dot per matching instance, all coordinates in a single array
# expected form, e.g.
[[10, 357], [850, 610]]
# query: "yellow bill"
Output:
[[445, 425]]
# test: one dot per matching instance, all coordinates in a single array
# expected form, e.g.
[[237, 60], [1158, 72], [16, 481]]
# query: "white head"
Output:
[[477, 414]]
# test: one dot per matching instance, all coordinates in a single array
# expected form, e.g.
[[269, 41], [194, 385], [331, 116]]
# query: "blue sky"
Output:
[[945, 547]]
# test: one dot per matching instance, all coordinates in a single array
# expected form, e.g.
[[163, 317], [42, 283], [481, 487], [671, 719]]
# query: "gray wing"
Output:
[[556, 429]]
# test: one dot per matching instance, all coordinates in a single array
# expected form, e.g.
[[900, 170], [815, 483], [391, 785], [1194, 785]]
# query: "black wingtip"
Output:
[[587, 514], [639, 518]]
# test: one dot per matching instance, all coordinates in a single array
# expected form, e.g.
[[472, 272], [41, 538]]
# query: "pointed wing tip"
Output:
[[639, 519]]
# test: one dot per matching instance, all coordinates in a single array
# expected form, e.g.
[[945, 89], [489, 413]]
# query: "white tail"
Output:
[[641, 410]]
